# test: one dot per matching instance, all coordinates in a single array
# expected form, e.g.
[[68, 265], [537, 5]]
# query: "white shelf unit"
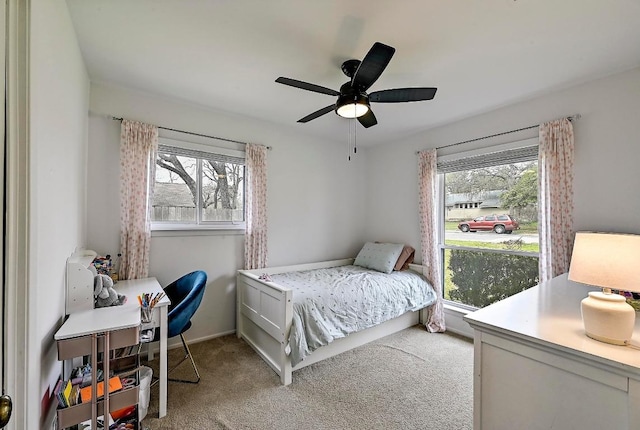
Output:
[[80, 281]]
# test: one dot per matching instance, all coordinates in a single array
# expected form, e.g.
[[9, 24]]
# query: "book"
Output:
[[57, 391], [66, 393], [86, 378], [114, 385], [74, 397]]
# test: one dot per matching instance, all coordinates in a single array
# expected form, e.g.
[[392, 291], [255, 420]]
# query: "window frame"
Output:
[[441, 211], [192, 146]]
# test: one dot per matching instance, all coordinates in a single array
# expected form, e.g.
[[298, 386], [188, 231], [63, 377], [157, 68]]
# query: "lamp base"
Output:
[[608, 318]]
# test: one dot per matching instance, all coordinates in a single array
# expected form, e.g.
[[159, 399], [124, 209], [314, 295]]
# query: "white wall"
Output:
[[315, 200], [607, 150], [58, 135]]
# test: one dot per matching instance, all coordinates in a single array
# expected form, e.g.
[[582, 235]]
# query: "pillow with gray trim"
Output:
[[379, 256]]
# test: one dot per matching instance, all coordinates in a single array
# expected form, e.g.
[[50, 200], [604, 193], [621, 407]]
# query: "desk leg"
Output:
[[94, 380], [163, 361]]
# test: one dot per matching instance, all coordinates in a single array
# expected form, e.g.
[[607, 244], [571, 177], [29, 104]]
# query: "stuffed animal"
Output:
[[104, 292]]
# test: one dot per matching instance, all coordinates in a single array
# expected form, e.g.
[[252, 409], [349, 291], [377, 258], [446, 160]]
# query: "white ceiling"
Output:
[[480, 54]]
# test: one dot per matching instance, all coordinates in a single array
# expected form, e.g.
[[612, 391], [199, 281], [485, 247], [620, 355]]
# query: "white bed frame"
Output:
[[265, 311]]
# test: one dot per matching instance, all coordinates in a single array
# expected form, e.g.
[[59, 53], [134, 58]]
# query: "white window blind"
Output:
[[490, 157], [214, 156]]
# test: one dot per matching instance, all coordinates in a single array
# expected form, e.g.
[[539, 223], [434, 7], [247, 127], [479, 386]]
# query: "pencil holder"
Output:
[[145, 314]]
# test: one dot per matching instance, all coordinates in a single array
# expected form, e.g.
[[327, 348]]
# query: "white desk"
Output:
[[125, 316], [535, 368]]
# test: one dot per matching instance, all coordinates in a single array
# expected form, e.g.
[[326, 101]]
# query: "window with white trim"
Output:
[[198, 187], [489, 237]]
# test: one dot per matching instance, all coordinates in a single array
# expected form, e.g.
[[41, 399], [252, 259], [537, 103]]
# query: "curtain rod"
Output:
[[570, 118], [195, 134]]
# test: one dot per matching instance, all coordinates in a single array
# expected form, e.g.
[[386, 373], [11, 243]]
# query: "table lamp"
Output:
[[609, 261]]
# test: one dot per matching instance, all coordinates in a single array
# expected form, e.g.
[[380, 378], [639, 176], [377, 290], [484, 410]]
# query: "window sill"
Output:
[[191, 230], [458, 308]]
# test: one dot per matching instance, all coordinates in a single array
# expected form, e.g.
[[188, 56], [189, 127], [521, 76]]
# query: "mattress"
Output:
[[331, 303]]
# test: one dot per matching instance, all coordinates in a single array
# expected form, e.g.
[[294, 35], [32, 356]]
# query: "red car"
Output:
[[498, 223]]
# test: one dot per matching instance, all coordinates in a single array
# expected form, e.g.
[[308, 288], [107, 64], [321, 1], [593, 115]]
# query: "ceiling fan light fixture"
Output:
[[352, 106], [352, 110]]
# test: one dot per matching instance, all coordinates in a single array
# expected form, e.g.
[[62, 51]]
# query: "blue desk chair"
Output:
[[185, 295]]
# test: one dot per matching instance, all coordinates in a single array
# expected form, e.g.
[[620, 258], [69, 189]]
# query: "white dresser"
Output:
[[534, 368]]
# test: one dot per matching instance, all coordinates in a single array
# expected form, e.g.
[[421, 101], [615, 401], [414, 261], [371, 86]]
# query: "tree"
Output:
[[171, 163], [517, 182], [525, 191], [224, 179], [476, 181]]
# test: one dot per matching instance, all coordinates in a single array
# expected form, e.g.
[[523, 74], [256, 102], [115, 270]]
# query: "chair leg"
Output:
[[193, 364]]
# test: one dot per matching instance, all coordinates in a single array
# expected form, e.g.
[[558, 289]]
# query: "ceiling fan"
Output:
[[353, 100]]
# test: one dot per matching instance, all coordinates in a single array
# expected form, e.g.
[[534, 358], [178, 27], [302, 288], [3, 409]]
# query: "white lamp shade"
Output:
[[606, 260]]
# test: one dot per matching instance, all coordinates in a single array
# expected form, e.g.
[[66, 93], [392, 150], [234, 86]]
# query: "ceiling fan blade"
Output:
[[372, 65], [307, 86], [368, 119], [399, 95], [318, 113]]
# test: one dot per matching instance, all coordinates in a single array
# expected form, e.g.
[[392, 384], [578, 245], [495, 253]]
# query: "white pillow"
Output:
[[379, 256]]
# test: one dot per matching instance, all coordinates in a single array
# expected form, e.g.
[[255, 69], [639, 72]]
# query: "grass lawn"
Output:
[[525, 247]]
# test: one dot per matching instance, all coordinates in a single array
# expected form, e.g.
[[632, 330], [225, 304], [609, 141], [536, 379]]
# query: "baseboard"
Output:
[[211, 336], [155, 346]]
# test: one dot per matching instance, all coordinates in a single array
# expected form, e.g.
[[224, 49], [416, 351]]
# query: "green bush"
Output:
[[482, 278]]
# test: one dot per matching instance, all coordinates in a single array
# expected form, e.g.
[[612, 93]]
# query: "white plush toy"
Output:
[[104, 292]]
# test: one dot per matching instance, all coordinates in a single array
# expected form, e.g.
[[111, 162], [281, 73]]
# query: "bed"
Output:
[[279, 309]]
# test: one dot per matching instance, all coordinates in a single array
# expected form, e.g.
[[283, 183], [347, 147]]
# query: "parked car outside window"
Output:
[[497, 223]]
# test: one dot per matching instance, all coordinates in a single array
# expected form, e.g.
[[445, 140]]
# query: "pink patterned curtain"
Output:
[[555, 199], [428, 221], [138, 147], [255, 240]]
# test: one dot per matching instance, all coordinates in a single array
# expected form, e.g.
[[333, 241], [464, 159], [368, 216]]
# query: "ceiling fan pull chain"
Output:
[[349, 140], [355, 136]]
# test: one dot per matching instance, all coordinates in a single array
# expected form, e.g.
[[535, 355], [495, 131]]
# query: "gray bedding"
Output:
[[331, 303]]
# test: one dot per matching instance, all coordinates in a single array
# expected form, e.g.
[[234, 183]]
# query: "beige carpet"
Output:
[[409, 380]]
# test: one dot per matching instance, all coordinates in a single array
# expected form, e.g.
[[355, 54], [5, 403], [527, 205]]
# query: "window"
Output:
[[197, 186], [489, 251]]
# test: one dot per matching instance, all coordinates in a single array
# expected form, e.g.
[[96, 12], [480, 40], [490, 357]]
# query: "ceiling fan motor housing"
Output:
[[349, 67], [350, 94]]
